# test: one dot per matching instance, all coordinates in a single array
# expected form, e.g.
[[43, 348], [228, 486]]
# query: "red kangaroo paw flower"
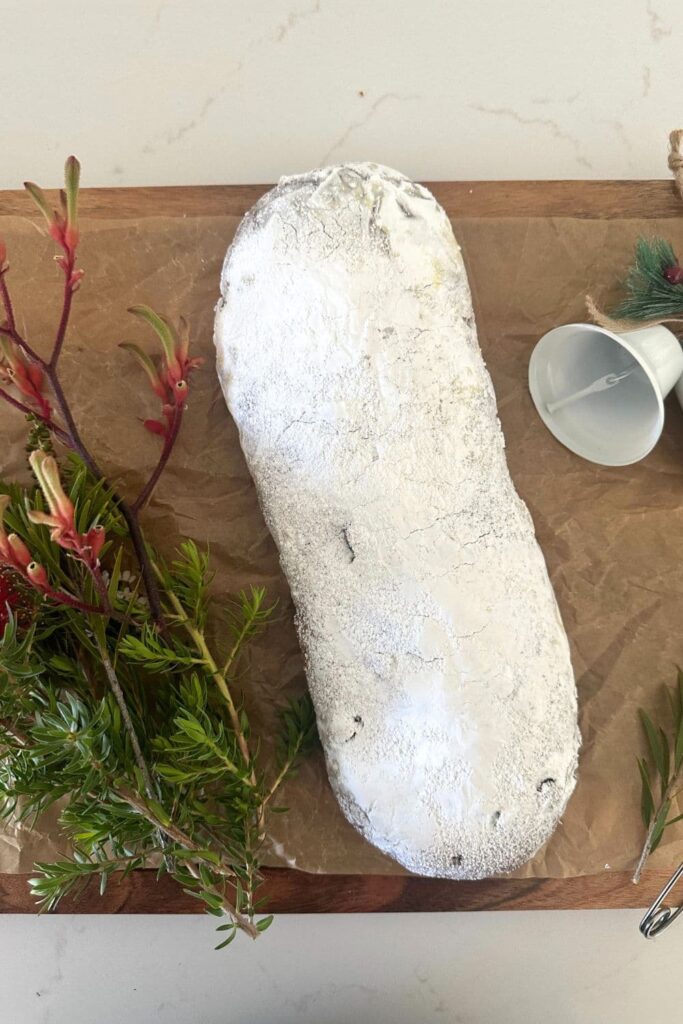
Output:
[[60, 517], [62, 227], [21, 554], [13, 552], [95, 538], [47, 474], [26, 377], [180, 392], [155, 427], [37, 575], [35, 375], [6, 554]]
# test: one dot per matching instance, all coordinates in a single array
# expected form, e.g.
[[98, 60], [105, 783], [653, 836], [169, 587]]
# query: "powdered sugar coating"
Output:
[[434, 648]]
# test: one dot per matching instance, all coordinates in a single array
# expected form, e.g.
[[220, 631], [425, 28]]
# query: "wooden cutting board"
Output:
[[290, 891]]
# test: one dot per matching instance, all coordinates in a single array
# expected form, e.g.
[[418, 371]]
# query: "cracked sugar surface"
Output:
[[348, 355]]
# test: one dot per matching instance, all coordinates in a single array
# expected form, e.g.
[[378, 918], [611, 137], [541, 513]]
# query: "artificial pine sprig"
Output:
[[119, 688], [665, 747], [654, 288]]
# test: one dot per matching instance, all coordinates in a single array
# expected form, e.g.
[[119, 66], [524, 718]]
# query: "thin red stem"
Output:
[[66, 312], [7, 303], [169, 443], [148, 578], [73, 602], [57, 431], [71, 428]]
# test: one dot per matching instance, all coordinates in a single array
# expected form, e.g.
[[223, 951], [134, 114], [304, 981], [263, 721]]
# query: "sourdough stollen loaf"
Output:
[[435, 653]]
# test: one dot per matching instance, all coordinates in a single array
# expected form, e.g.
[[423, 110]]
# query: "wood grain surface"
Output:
[[291, 891], [602, 199]]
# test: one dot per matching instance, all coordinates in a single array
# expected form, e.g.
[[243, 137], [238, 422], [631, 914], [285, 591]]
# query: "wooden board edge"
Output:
[[575, 198], [292, 892]]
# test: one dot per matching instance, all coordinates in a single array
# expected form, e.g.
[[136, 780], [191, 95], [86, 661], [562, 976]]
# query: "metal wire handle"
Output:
[[658, 916], [601, 384]]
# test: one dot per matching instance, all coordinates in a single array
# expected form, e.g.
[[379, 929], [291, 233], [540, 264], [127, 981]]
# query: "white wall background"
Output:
[[245, 90], [198, 92]]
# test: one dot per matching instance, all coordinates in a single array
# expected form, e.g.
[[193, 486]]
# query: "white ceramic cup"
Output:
[[618, 425]]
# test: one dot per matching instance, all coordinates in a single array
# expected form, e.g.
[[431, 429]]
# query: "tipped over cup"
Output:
[[602, 394]]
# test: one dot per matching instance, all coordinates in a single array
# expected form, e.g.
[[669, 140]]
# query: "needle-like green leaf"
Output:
[[678, 749], [647, 804], [660, 825], [655, 743], [666, 760], [666, 755]]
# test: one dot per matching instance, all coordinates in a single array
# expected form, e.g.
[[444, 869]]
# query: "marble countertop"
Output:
[[177, 92]]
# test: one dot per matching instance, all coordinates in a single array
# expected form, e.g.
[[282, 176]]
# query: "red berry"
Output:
[[674, 274]]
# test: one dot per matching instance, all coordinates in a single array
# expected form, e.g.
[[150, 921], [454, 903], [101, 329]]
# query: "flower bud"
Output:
[[5, 550], [71, 238], [180, 392], [20, 552], [47, 474], [35, 375], [72, 179], [95, 538], [37, 576], [56, 231], [155, 427]]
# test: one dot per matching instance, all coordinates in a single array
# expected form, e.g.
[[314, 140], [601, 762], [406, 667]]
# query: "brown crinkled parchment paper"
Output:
[[612, 538]]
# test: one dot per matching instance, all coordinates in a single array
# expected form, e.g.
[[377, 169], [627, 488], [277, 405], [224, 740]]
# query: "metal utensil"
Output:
[[659, 917]]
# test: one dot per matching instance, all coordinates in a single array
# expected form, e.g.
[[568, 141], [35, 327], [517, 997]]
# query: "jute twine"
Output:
[[676, 159]]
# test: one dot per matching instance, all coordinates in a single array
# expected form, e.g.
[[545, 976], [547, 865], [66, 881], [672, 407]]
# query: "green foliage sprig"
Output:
[[121, 685], [661, 777], [63, 733]]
